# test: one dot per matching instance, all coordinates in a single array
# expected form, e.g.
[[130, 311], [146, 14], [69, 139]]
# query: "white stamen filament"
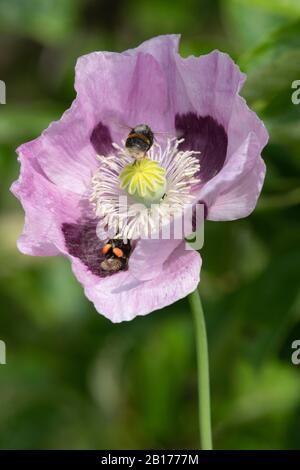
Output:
[[107, 196]]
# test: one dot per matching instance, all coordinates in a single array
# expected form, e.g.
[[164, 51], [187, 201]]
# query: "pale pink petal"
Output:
[[206, 89], [122, 90], [122, 297], [45, 208], [64, 151], [162, 48], [215, 120], [148, 257], [207, 85], [234, 191]]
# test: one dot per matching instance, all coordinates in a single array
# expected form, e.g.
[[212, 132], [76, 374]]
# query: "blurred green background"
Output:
[[74, 380]]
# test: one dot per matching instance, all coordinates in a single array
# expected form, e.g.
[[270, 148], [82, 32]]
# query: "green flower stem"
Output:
[[203, 372]]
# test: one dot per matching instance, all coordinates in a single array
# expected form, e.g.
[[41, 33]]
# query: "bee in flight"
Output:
[[116, 254], [139, 141]]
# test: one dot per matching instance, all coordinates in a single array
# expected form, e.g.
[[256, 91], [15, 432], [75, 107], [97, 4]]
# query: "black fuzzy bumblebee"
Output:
[[139, 141], [116, 254]]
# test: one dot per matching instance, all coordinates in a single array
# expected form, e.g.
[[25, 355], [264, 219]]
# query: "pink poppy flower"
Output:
[[69, 175]]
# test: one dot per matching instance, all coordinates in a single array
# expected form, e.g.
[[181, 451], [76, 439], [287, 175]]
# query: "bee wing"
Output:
[[121, 125], [165, 134]]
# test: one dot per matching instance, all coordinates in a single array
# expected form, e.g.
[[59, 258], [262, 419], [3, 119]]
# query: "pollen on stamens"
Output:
[[106, 248], [117, 186]]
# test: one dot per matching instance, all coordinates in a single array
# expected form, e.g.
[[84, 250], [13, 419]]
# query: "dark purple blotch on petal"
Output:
[[82, 242], [101, 139], [206, 135], [194, 215]]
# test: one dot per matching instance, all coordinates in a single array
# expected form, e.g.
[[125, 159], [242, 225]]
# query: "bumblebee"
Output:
[[139, 141], [116, 254]]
